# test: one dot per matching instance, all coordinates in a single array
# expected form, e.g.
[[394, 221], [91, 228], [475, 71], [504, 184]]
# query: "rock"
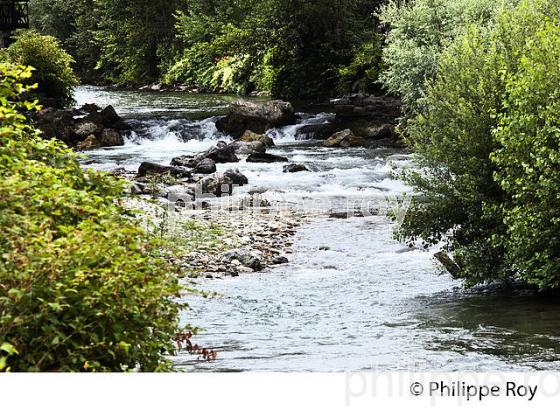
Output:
[[89, 108], [85, 129], [246, 148], [57, 124], [150, 168], [295, 168], [386, 131], [206, 166], [106, 117], [345, 139], [250, 136], [266, 158], [233, 176], [91, 142], [186, 161], [221, 184], [257, 117], [138, 189], [222, 153], [339, 215], [111, 138], [279, 260], [449, 264], [249, 259]]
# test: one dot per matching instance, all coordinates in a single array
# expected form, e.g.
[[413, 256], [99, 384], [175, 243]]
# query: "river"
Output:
[[351, 298]]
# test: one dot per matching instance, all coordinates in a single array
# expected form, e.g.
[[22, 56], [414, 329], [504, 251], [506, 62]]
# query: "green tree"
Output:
[[419, 31], [74, 23], [135, 38], [51, 63], [458, 201], [528, 160]]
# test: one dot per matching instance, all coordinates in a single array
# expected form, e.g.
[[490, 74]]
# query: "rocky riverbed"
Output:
[[350, 297]]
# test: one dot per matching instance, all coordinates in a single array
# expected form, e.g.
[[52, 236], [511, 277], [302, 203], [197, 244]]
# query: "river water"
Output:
[[351, 298]]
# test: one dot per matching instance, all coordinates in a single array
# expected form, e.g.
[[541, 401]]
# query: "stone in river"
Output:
[[266, 158]]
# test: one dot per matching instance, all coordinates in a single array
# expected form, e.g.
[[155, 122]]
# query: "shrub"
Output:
[[471, 191], [419, 32], [529, 161], [82, 286], [51, 63]]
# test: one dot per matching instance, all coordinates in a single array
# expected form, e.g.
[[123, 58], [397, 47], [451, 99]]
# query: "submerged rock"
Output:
[[266, 158], [295, 168], [257, 117], [279, 260]]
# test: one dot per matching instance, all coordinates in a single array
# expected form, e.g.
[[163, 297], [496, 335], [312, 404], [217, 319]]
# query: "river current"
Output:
[[352, 298]]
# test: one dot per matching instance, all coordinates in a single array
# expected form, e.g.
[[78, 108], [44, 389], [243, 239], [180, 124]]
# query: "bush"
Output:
[[51, 63], [471, 191], [529, 161], [419, 32], [82, 286]]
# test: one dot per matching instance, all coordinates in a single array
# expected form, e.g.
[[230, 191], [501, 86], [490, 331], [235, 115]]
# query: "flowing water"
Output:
[[351, 297]]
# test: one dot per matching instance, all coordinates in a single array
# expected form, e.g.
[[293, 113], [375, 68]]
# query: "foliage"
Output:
[[362, 74], [51, 63], [419, 32], [135, 37], [74, 24], [529, 160], [470, 188], [82, 286], [290, 48]]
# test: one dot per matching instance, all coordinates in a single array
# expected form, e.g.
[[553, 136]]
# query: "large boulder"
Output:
[[151, 168], [111, 138], [106, 117], [246, 148], [57, 124], [250, 136], [86, 129], [345, 139], [220, 184], [206, 166], [266, 158], [257, 117]]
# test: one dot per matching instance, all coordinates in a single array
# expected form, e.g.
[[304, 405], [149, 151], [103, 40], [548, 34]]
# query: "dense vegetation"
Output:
[[290, 48], [82, 286], [487, 140], [51, 67]]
